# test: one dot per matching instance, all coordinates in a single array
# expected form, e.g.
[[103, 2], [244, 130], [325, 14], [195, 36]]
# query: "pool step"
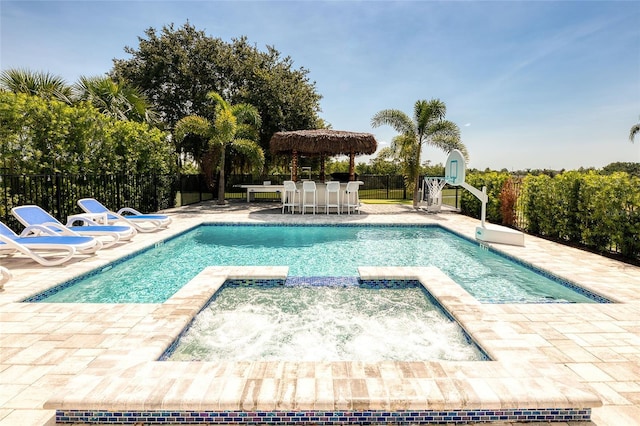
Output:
[[323, 281]]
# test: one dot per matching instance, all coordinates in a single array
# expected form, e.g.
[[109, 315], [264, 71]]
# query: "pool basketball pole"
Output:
[[455, 170]]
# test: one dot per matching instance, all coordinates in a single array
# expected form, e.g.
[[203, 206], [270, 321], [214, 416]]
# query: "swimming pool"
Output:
[[156, 274]]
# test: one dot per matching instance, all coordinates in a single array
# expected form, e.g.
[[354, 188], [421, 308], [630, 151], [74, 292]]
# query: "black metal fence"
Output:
[[380, 187], [59, 193]]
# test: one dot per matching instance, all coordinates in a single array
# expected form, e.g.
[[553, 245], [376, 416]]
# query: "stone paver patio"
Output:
[[86, 356]]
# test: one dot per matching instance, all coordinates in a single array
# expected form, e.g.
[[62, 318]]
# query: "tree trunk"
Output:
[[416, 191], [416, 178], [206, 165], [221, 182]]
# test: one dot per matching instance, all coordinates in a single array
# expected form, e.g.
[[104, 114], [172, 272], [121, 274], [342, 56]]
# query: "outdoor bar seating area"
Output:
[[310, 196], [330, 197]]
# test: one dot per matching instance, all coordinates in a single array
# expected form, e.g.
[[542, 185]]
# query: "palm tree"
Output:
[[114, 98], [634, 130], [428, 126], [235, 128], [41, 84]]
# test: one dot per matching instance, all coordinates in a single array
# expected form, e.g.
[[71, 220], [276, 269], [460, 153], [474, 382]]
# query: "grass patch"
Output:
[[384, 201]]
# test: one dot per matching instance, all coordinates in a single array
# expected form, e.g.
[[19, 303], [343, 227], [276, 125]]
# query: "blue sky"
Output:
[[532, 84]]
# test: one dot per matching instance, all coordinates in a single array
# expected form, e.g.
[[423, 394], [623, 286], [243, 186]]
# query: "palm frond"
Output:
[[247, 114], [404, 145], [250, 153], [246, 131], [192, 124], [387, 153], [219, 101], [448, 143], [634, 130], [426, 113], [225, 126], [113, 98], [444, 127], [397, 119], [45, 85]]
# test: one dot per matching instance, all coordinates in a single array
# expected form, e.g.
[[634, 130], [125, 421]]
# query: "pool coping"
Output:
[[479, 388]]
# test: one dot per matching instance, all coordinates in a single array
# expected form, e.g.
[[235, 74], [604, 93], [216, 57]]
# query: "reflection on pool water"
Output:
[[155, 275], [323, 323]]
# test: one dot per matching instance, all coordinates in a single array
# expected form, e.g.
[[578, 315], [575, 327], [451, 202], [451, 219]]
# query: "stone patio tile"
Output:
[[101, 353], [589, 372]]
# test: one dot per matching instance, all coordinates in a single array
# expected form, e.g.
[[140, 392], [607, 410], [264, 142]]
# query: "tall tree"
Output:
[[232, 129], [178, 66], [428, 126], [115, 98], [43, 84]]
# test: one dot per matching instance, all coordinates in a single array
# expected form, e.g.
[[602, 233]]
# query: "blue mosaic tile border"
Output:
[[323, 417], [252, 282], [332, 225], [398, 284], [323, 281]]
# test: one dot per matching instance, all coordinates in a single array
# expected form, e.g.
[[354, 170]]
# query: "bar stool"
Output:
[[289, 196], [350, 199], [333, 188], [309, 187]]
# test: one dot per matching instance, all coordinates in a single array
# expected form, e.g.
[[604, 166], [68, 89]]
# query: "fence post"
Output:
[[57, 183], [388, 184], [155, 192]]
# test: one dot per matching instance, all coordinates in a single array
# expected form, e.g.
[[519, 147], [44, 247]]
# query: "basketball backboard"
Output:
[[455, 168]]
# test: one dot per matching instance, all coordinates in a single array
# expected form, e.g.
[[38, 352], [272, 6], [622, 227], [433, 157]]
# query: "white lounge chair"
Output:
[[5, 276], [34, 215], [142, 222], [39, 244]]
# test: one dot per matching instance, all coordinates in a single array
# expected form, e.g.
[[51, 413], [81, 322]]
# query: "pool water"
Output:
[[322, 323], [332, 251]]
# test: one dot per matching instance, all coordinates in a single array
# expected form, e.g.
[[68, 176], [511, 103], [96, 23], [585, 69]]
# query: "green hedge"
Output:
[[494, 181], [599, 211]]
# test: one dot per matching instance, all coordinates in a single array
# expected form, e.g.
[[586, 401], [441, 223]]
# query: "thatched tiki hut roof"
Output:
[[322, 142]]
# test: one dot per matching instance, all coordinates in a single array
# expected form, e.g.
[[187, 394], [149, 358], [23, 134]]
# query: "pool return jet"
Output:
[[455, 170]]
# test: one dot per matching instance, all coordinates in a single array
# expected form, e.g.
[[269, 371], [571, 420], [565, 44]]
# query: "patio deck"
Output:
[[89, 356]]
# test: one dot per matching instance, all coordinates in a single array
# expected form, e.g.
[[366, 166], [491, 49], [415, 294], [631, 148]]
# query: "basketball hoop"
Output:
[[432, 192]]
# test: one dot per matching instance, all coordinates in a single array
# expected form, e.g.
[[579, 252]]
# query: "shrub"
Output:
[[494, 181], [508, 200], [599, 211], [48, 136]]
